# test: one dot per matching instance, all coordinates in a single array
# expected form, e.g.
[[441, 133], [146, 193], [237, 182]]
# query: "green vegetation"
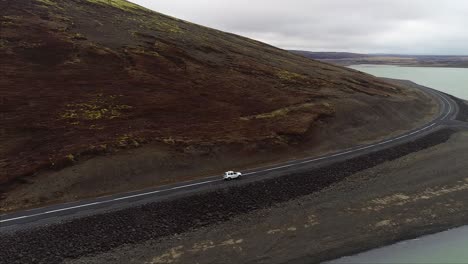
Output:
[[48, 2], [175, 29], [164, 26], [3, 44], [29, 45], [95, 127], [290, 76], [143, 51], [282, 112], [8, 20], [78, 36], [70, 157], [100, 108], [128, 140], [120, 4], [169, 141], [158, 23], [6, 23]]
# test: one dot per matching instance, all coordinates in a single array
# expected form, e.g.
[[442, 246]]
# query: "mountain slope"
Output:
[[87, 77]]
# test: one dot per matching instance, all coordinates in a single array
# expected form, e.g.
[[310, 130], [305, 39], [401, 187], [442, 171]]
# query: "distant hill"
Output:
[[346, 59], [83, 78], [329, 55]]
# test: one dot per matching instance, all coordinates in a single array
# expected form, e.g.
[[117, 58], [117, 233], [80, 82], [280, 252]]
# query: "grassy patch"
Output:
[[96, 127], [78, 36], [161, 24], [100, 108], [290, 76], [128, 140], [6, 23], [70, 157], [142, 51], [48, 2], [9, 20], [120, 4], [282, 112], [169, 141], [3, 44]]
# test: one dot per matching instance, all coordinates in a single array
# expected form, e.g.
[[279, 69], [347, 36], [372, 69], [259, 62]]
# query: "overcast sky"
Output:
[[367, 26]]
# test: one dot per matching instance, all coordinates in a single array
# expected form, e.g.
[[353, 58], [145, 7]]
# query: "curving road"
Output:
[[41, 216]]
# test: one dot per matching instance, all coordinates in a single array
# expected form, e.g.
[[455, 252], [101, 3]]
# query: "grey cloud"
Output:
[[372, 26]]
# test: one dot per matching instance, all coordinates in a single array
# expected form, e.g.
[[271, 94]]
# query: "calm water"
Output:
[[453, 81], [446, 247]]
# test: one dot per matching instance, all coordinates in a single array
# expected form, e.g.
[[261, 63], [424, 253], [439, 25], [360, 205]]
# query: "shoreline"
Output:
[[414, 249], [405, 65]]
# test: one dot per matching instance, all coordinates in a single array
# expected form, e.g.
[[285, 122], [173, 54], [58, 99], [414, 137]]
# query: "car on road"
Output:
[[231, 175]]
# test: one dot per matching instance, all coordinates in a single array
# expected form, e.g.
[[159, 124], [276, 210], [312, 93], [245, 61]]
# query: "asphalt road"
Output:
[[56, 213]]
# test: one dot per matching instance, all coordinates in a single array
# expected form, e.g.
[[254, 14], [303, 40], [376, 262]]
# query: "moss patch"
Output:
[[48, 3], [160, 24], [282, 112], [70, 157], [101, 107], [142, 51], [9, 20], [120, 4], [3, 44], [290, 76], [78, 36], [128, 141]]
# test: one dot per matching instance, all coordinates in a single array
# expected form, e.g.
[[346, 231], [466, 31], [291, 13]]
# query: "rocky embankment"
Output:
[[462, 109]]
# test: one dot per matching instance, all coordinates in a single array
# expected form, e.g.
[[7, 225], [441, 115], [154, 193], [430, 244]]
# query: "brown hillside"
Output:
[[84, 77]]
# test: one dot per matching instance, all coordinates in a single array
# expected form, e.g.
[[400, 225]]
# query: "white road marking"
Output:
[[165, 190], [342, 153], [450, 107], [250, 173], [104, 202]]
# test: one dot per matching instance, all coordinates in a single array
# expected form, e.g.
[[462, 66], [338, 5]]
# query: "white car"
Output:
[[231, 175]]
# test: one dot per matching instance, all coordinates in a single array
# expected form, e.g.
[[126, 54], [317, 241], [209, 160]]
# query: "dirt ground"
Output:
[[421, 193]]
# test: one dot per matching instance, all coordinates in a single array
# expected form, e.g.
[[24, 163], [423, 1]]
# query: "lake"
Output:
[[453, 81], [446, 247]]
